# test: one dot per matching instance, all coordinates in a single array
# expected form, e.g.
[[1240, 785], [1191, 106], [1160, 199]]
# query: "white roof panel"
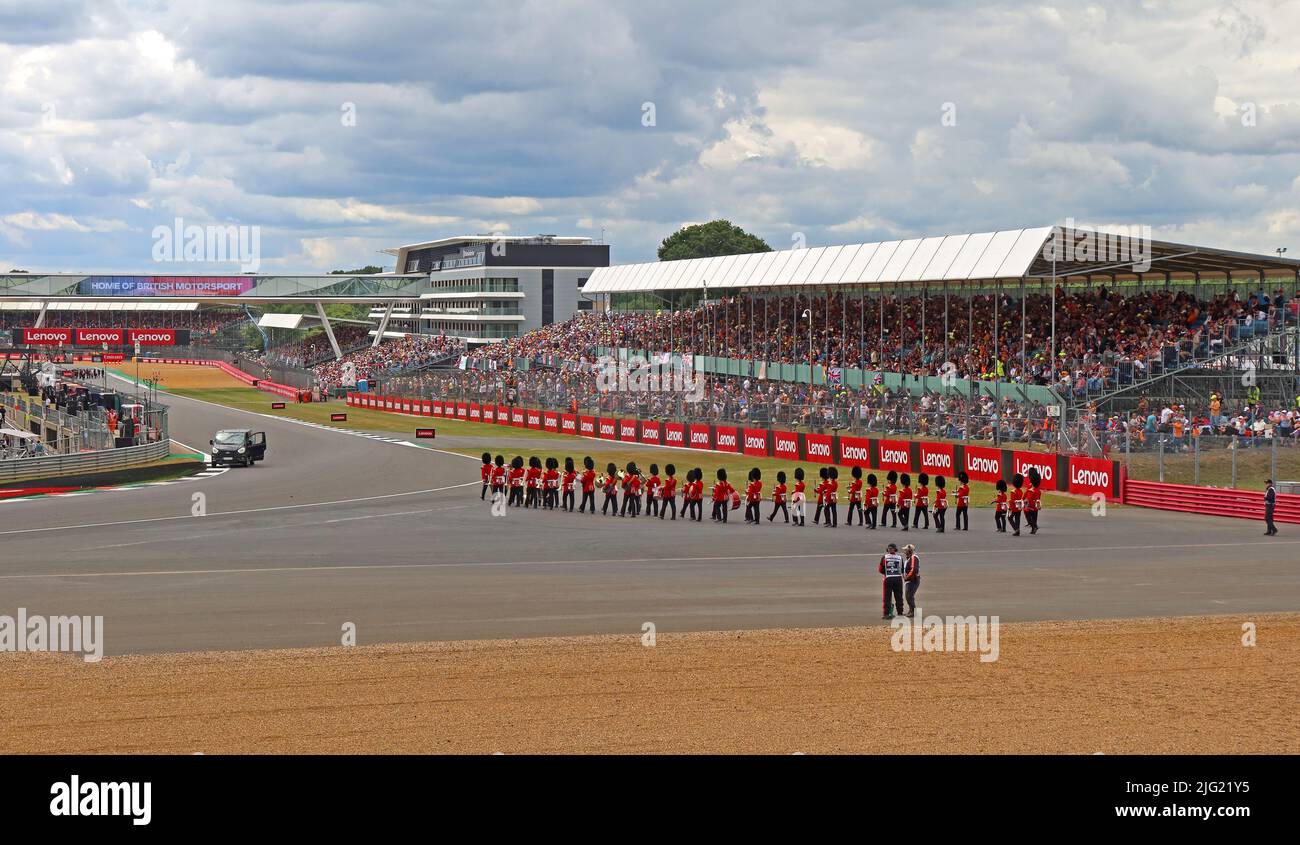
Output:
[[915, 268], [871, 272], [943, 258], [770, 270], [806, 266], [893, 271], [835, 273], [727, 270], [971, 251], [1022, 255], [995, 254], [791, 267], [824, 264], [745, 269], [674, 270]]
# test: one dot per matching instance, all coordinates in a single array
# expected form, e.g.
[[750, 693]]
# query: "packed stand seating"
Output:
[[311, 349], [1213, 421], [1104, 338], [390, 357]]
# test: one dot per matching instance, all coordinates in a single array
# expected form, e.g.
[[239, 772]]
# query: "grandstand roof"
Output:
[[304, 321], [987, 256]]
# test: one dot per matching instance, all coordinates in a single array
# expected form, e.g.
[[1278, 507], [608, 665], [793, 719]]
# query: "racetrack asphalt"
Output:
[[338, 528]]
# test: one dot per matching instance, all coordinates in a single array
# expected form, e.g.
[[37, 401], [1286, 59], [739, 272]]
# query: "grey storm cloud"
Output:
[[824, 119]]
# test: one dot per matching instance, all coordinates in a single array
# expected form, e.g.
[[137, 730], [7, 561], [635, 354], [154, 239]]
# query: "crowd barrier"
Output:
[[1216, 501], [234, 372], [1063, 473]]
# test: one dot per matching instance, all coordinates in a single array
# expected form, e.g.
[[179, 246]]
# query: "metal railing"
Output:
[[52, 466]]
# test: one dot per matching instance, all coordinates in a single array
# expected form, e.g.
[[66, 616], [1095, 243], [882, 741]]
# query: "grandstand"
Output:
[[960, 336]]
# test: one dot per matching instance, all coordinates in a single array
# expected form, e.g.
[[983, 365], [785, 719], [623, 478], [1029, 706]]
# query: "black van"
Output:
[[238, 446]]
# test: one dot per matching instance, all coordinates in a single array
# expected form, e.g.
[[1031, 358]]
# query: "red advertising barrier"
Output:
[[983, 463], [475, 413], [818, 448], [503, 415], [426, 408], [698, 436], [551, 421], [587, 426], [937, 458], [894, 454], [627, 431], [1023, 462], [94, 337], [1215, 501], [854, 451], [785, 445], [569, 424], [755, 444], [725, 438], [675, 435], [534, 419], [517, 417], [608, 429], [1094, 475], [651, 432], [46, 337]]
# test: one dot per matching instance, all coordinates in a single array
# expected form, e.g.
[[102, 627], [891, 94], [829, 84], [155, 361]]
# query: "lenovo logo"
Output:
[[755, 441], [853, 453], [699, 438], [893, 456], [820, 449], [1089, 477], [992, 466]]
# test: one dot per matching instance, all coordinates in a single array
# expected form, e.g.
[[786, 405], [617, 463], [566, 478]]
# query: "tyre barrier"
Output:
[[1215, 501]]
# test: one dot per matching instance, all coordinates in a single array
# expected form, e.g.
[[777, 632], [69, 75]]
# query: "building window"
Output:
[[413, 265], [581, 282]]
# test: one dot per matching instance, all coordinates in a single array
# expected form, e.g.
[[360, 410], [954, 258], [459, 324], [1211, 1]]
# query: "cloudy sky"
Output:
[[340, 128]]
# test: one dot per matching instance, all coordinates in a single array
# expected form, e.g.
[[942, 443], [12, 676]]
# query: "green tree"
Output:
[[705, 240], [368, 270]]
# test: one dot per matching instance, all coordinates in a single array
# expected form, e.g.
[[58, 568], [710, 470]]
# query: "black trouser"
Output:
[[940, 516], [483, 495], [817, 514], [1015, 521], [893, 589], [832, 514], [651, 504], [751, 512], [568, 500], [530, 494], [1268, 519], [516, 496], [779, 507], [1031, 517], [1000, 520], [886, 512], [963, 519], [611, 499], [910, 592], [854, 507], [697, 506], [720, 510], [903, 513], [921, 511], [630, 503], [497, 488], [587, 496], [871, 516], [666, 503]]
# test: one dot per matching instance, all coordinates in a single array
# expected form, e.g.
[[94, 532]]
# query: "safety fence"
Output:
[[1216, 501], [55, 466], [1066, 473]]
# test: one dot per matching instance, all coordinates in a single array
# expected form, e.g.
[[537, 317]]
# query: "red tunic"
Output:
[[778, 493]]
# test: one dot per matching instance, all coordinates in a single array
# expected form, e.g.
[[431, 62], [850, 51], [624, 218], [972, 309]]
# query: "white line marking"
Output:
[[589, 562], [235, 513]]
